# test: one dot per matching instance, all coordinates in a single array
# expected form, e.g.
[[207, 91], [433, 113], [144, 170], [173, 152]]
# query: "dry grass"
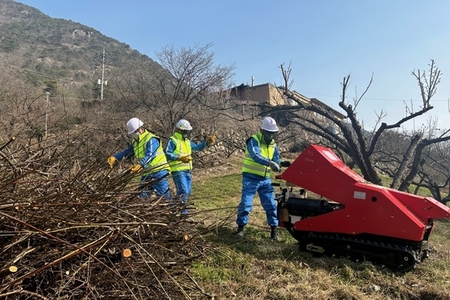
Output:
[[258, 268]]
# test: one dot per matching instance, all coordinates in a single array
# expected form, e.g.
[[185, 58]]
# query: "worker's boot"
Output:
[[240, 232], [274, 233]]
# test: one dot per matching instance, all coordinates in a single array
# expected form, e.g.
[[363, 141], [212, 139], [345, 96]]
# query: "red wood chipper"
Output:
[[353, 217]]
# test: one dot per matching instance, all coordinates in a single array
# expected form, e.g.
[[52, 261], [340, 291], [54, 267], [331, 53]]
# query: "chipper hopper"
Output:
[[352, 217]]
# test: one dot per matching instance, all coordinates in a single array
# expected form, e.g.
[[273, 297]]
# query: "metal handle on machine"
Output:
[[285, 164]]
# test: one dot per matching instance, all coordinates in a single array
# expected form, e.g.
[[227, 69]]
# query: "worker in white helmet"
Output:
[[178, 152], [147, 151], [261, 156]]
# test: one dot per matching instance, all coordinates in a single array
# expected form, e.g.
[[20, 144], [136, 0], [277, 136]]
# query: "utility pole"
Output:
[[102, 81], [46, 114]]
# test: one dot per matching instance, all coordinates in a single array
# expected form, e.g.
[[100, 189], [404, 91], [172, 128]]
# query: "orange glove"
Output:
[[210, 140], [111, 161], [184, 159], [136, 169]]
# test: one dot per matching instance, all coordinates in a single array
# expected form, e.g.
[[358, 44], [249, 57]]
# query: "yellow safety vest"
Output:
[[267, 151], [159, 162], [183, 148]]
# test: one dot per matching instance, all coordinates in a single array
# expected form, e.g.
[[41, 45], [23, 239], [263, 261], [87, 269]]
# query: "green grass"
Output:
[[256, 267], [386, 181], [216, 192]]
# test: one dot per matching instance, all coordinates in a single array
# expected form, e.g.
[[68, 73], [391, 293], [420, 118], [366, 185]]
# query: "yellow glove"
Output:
[[111, 161], [136, 168], [184, 159], [210, 140]]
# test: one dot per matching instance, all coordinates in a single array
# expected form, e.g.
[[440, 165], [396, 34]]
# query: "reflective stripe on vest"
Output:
[[267, 151], [183, 148], [159, 162]]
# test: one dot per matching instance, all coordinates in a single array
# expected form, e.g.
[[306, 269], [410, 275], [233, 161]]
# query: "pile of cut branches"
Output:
[[71, 228]]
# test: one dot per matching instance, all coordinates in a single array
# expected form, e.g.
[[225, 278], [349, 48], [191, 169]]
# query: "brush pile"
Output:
[[72, 228]]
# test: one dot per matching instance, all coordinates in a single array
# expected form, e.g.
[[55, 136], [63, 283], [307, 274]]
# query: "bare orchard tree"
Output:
[[192, 78], [286, 72], [182, 88], [434, 171], [367, 149], [24, 110]]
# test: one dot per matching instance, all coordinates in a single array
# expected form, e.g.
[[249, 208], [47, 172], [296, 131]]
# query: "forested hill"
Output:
[[50, 50]]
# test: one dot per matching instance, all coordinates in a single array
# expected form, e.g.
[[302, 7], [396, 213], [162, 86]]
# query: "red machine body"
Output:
[[353, 208]]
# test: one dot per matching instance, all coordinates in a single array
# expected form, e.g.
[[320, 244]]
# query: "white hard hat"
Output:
[[183, 125], [134, 124], [269, 124]]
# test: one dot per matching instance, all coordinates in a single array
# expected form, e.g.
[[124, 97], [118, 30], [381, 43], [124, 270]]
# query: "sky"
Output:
[[322, 41]]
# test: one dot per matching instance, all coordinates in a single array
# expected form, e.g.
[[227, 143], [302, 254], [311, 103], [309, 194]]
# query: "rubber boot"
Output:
[[274, 233], [240, 232]]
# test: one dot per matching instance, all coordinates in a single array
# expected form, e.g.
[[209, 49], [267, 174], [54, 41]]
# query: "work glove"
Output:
[[210, 140], [111, 161], [184, 159], [274, 166], [135, 169]]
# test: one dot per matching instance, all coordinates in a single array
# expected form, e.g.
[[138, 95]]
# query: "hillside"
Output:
[[46, 49]]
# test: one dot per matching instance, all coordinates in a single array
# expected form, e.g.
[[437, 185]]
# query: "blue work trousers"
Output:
[[251, 184], [161, 187], [183, 184]]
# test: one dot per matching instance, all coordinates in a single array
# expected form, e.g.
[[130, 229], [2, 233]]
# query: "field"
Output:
[[257, 267]]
